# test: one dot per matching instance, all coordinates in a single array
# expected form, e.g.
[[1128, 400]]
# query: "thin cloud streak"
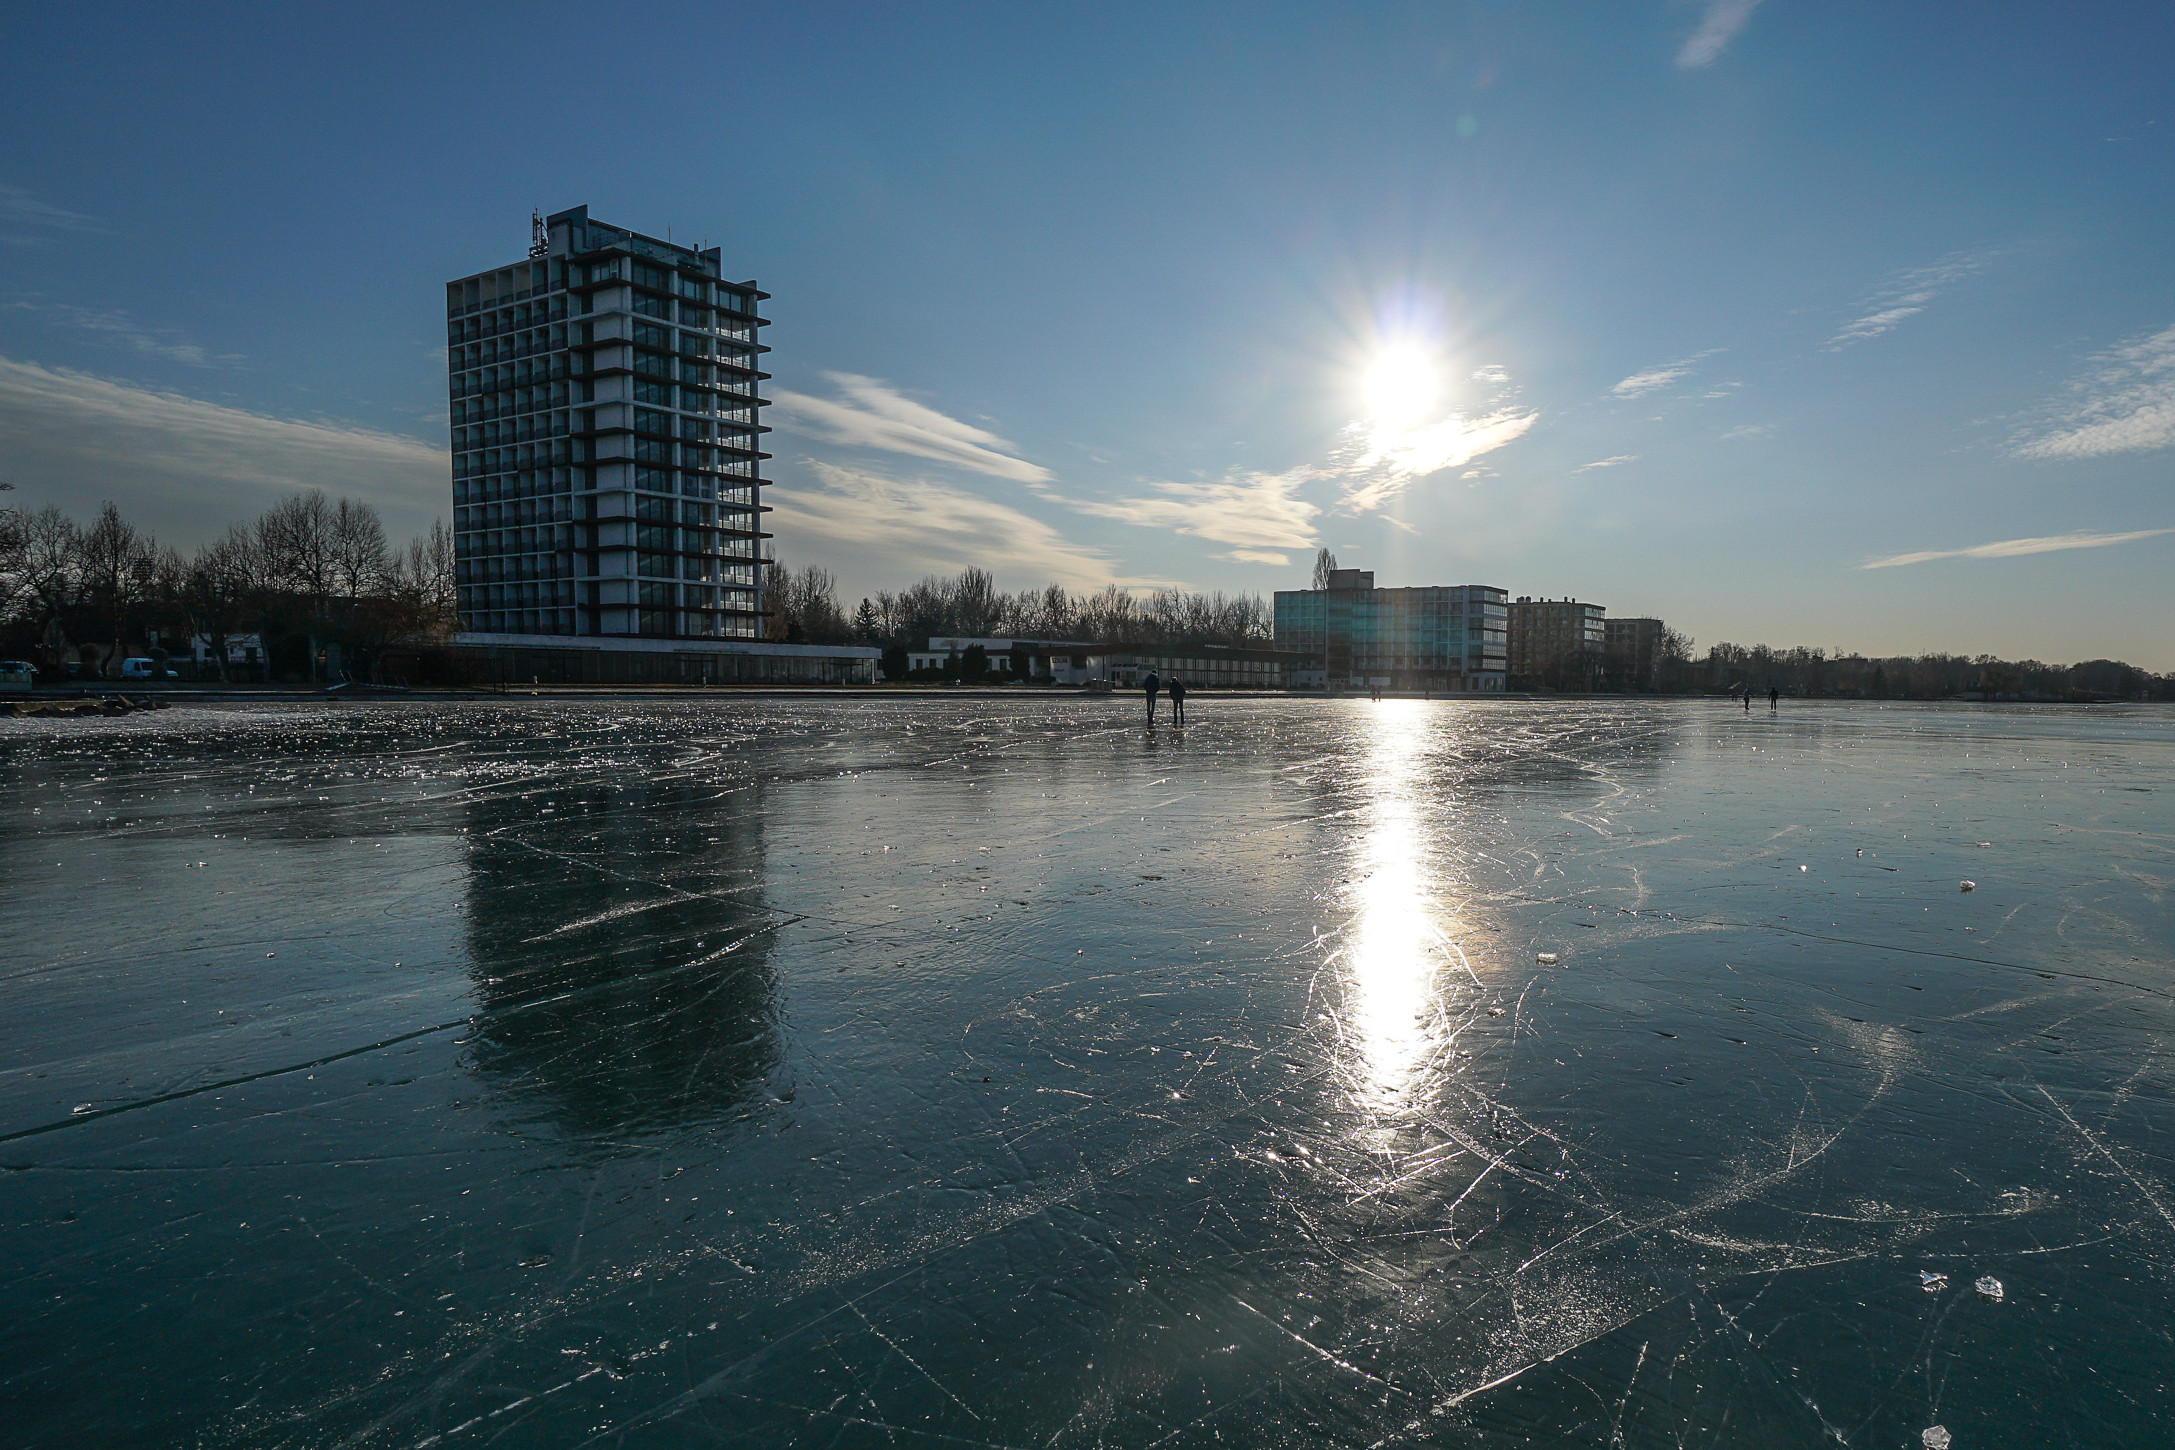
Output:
[[1907, 294], [873, 414], [1256, 511], [187, 467], [1717, 28], [116, 326], [28, 220], [1653, 379], [2124, 404], [880, 521], [1620, 458], [2016, 548]]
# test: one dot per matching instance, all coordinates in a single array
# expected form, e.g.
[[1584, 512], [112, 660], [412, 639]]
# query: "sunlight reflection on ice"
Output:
[[1394, 951]]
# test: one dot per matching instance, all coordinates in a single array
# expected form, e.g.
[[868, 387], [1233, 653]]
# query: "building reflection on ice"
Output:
[[621, 950]]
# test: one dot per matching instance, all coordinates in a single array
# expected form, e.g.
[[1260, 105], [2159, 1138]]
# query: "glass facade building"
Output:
[[1441, 637], [607, 477]]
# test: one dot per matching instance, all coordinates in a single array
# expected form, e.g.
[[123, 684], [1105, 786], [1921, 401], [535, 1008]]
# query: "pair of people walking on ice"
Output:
[[1176, 690]]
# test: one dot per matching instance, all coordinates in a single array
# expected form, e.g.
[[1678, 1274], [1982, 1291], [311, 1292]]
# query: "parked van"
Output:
[[16, 676], [144, 669]]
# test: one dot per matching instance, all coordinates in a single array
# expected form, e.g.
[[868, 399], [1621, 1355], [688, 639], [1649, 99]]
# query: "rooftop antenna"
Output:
[[539, 239]]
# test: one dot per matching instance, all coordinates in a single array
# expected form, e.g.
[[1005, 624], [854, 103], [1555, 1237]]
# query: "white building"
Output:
[[1069, 662]]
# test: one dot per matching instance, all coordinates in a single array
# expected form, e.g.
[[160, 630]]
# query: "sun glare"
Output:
[[1400, 386]]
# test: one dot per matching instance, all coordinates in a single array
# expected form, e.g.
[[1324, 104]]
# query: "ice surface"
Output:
[[856, 1072]]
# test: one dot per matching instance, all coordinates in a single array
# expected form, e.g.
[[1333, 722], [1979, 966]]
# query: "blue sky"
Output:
[[1691, 309]]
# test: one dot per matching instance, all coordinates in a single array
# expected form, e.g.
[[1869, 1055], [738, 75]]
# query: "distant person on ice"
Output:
[[1148, 687], [1178, 702], [1774, 697]]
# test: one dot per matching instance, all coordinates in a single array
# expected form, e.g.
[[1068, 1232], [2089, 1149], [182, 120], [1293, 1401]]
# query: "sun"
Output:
[[1400, 386]]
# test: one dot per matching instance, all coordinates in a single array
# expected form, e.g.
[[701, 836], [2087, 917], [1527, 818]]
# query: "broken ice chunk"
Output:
[[1935, 1437], [1967, 885], [1931, 1282], [1989, 1289], [1547, 959]]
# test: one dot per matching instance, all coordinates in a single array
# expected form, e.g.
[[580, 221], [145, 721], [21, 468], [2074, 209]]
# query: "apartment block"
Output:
[[607, 477], [1558, 643], [1633, 649]]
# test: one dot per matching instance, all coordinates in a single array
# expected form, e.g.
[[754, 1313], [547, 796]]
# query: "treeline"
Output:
[[310, 579], [1801, 671], [806, 607]]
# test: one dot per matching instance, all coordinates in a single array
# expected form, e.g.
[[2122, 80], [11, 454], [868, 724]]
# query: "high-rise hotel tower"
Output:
[[607, 478]]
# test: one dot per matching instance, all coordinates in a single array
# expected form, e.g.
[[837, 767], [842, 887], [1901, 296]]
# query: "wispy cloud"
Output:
[[1607, 462], [118, 328], [1392, 460], [1258, 556], [1907, 294], [27, 220], [1654, 379], [2125, 403], [873, 414], [893, 527], [1379, 461], [187, 467], [1750, 430], [1717, 28], [1256, 511], [2013, 548]]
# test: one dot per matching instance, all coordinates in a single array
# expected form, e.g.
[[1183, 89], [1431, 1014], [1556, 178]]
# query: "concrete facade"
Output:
[[1558, 643], [1633, 652], [605, 427]]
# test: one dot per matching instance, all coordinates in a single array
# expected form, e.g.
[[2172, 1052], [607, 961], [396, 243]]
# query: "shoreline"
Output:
[[184, 695]]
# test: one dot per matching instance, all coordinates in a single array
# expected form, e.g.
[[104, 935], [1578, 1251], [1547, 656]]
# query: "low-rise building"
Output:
[[1069, 662], [1077, 662], [1437, 638], [1557, 643], [1212, 666]]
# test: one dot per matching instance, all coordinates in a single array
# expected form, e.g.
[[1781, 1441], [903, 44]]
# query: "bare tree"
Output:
[[115, 569], [813, 602], [1057, 612], [295, 542], [425, 572], [359, 559], [14, 556], [1107, 614], [50, 551], [218, 589], [1324, 564], [977, 607]]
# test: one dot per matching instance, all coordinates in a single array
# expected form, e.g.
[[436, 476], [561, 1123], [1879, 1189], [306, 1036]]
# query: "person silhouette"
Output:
[[1177, 691], [1148, 687], [1748, 699], [1774, 697]]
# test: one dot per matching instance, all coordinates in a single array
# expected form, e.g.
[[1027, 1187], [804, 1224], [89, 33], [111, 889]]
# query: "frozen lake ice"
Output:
[[861, 1072]]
